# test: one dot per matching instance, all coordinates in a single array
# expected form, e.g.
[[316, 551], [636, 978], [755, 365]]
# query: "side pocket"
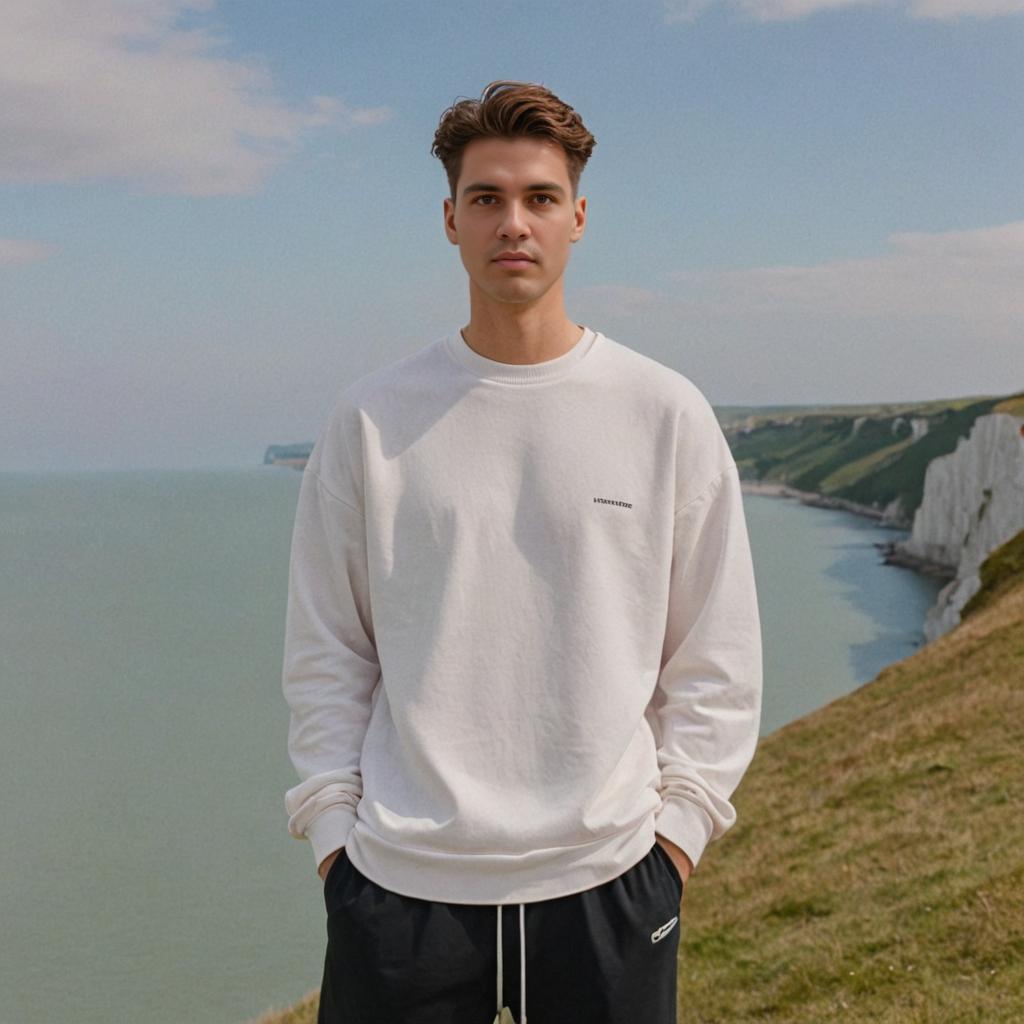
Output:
[[666, 860], [334, 870]]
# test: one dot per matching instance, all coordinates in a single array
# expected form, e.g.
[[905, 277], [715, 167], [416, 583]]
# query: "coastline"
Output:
[[892, 553], [780, 490]]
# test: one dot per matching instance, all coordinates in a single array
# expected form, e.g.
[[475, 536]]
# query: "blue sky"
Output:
[[213, 215]]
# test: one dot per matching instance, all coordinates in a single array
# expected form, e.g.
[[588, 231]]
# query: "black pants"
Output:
[[607, 955]]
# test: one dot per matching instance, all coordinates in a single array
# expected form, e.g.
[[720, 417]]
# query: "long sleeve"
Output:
[[709, 688], [330, 667]]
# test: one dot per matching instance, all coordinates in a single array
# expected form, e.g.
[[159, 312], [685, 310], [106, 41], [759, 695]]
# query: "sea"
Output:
[[146, 871]]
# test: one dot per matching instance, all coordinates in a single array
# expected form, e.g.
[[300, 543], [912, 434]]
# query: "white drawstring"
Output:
[[504, 1014], [497, 1019], [522, 963]]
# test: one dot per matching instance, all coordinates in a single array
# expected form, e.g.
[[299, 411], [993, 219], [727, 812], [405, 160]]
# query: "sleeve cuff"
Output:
[[329, 831], [686, 825]]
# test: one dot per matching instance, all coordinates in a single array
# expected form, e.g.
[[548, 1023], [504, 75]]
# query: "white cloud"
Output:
[[617, 299], [120, 89], [934, 315], [964, 8], [685, 10], [14, 251], [972, 276], [791, 10]]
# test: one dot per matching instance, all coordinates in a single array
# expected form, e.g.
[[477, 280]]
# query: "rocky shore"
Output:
[[891, 551], [818, 500]]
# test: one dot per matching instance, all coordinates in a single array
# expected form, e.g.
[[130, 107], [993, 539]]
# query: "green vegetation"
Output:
[[864, 454], [1000, 572], [875, 871]]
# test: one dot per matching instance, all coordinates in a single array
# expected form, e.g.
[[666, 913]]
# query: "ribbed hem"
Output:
[[520, 373], [497, 878]]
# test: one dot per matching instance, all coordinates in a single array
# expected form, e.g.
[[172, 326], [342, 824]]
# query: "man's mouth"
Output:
[[514, 261]]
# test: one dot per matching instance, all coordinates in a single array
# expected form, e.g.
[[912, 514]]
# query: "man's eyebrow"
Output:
[[539, 186]]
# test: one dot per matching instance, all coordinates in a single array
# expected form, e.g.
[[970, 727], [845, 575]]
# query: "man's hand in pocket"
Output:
[[679, 859], [325, 864]]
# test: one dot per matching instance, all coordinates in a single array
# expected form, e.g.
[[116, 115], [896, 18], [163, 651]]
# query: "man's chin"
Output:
[[515, 296]]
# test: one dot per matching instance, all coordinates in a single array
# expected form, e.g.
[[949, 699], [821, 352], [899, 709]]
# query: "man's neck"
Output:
[[521, 343]]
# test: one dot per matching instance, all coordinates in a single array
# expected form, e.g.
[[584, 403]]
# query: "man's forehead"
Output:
[[511, 165], [515, 150]]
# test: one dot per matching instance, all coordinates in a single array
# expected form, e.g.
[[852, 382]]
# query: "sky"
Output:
[[215, 215]]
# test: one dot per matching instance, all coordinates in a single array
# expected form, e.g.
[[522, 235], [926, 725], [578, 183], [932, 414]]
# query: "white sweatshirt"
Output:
[[522, 629]]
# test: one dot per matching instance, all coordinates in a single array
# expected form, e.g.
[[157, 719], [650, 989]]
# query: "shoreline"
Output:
[[891, 553], [775, 489]]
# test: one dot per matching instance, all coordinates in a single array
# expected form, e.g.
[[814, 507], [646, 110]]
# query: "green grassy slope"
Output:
[[876, 870]]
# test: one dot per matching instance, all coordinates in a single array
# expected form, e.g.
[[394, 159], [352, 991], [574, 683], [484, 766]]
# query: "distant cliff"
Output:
[[950, 472], [294, 455], [871, 460], [973, 502]]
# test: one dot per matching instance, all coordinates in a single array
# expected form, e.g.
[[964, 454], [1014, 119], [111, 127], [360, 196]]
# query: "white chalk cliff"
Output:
[[973, 501]]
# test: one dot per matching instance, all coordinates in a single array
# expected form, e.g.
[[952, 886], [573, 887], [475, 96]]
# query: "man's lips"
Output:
[[514, 262]]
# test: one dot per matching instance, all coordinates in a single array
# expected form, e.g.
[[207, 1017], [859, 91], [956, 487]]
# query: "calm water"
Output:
[[147, 872]]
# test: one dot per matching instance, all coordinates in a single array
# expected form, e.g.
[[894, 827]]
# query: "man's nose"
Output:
[[514, 221]]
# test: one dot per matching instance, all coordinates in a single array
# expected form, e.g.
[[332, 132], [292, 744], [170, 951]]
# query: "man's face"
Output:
[[498, 208]]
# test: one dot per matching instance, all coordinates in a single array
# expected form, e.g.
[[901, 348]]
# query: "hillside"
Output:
[[874, 457], [875, 871]]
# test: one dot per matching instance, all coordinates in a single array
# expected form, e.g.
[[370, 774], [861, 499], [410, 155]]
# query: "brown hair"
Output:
[[509, 109]]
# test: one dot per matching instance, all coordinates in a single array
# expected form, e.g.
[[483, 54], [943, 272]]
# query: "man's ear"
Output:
[[580, 212], [449, 218]]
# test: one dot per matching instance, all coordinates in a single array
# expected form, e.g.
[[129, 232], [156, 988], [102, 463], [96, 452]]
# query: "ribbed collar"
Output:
[[520, 373]]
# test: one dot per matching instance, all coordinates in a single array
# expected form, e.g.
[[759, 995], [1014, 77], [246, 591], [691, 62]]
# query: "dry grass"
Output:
[[876, 872], [303, 1012]]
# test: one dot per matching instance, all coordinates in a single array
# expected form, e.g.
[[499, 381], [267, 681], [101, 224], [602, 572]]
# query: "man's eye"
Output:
[[550, 199]]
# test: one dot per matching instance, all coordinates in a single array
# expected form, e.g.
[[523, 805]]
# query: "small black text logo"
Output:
[[609, 501]]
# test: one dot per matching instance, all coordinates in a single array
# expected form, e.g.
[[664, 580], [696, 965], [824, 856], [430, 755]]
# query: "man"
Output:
[[523, 651]]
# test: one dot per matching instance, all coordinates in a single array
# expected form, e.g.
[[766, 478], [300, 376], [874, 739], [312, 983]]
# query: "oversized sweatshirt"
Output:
[[522, 632]]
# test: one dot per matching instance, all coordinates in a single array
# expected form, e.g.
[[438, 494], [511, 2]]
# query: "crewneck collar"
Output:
[[520, 373]]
